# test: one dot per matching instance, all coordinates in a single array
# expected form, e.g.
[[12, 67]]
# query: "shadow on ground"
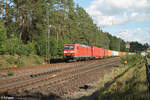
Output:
[[57, 60]]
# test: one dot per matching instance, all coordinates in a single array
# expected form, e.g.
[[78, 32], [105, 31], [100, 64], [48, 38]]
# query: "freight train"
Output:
[[78, 52]]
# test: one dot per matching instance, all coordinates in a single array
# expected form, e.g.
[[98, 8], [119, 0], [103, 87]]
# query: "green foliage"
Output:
[[8, 61], [26, 49], [20, 62], [1, 64], [138, 47], [60, 47], [123, 58], [131, 59], [10, 73], [2, 37], [11, 60], [148, 55], [15, 46], [2, 33], [40, 47], [123, 46], [56, 47], [11, 45], [37, 59], [53, 47], [116, 43]]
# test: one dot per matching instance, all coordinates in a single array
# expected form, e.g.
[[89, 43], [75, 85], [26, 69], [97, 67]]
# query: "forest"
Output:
[[38, 27]]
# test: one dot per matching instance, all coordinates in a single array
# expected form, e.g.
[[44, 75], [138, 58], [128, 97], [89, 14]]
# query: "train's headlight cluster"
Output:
[[65, 52], [68, 51]]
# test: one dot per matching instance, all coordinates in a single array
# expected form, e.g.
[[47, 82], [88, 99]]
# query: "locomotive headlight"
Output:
[[68, 51], [65, 52]]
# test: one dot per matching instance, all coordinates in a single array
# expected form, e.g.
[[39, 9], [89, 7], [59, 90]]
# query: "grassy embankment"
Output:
[[9, 61], [148, 56], [127, 83]]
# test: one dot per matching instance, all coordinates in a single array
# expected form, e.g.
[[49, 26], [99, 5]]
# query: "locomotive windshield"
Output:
[[69, 47]]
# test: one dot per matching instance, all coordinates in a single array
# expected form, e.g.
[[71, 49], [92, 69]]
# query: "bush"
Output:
[[10, 73], [60, 48], [41, 47], [53, 47], [1, 65], [2, 37], [148, 55], [10, 60], [12, 44], [123, 58], [20, 62], [15, 46], [131, 59], [2, 50], [38, 61], [26, 49]]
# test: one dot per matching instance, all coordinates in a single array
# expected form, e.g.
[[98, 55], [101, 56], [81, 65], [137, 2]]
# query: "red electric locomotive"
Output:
[[77, 52]]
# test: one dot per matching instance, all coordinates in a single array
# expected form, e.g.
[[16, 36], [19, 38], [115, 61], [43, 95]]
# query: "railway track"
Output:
[[72, 77], [40, 70], [26, 68], [38, 73], [46, 81]]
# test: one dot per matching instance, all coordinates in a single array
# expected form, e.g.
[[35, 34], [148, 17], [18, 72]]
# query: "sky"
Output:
[[127, 19]]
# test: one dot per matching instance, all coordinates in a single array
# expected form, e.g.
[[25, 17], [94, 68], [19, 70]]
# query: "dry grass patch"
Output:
[[9, 61], [127, 84]]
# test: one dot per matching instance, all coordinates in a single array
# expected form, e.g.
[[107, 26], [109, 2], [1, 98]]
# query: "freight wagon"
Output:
[[97, 52], [106, 53], [109, 53]]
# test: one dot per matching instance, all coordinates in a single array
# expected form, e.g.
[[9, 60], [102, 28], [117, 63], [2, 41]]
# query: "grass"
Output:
[[148, 56], [127, 83], [20, 62], [9, 61], [149, 60], [1, 64], [38, 60]]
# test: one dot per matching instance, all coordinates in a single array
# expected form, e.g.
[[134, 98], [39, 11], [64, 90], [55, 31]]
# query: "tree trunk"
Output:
[[3, 8], [6, 10], [22, 28]]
